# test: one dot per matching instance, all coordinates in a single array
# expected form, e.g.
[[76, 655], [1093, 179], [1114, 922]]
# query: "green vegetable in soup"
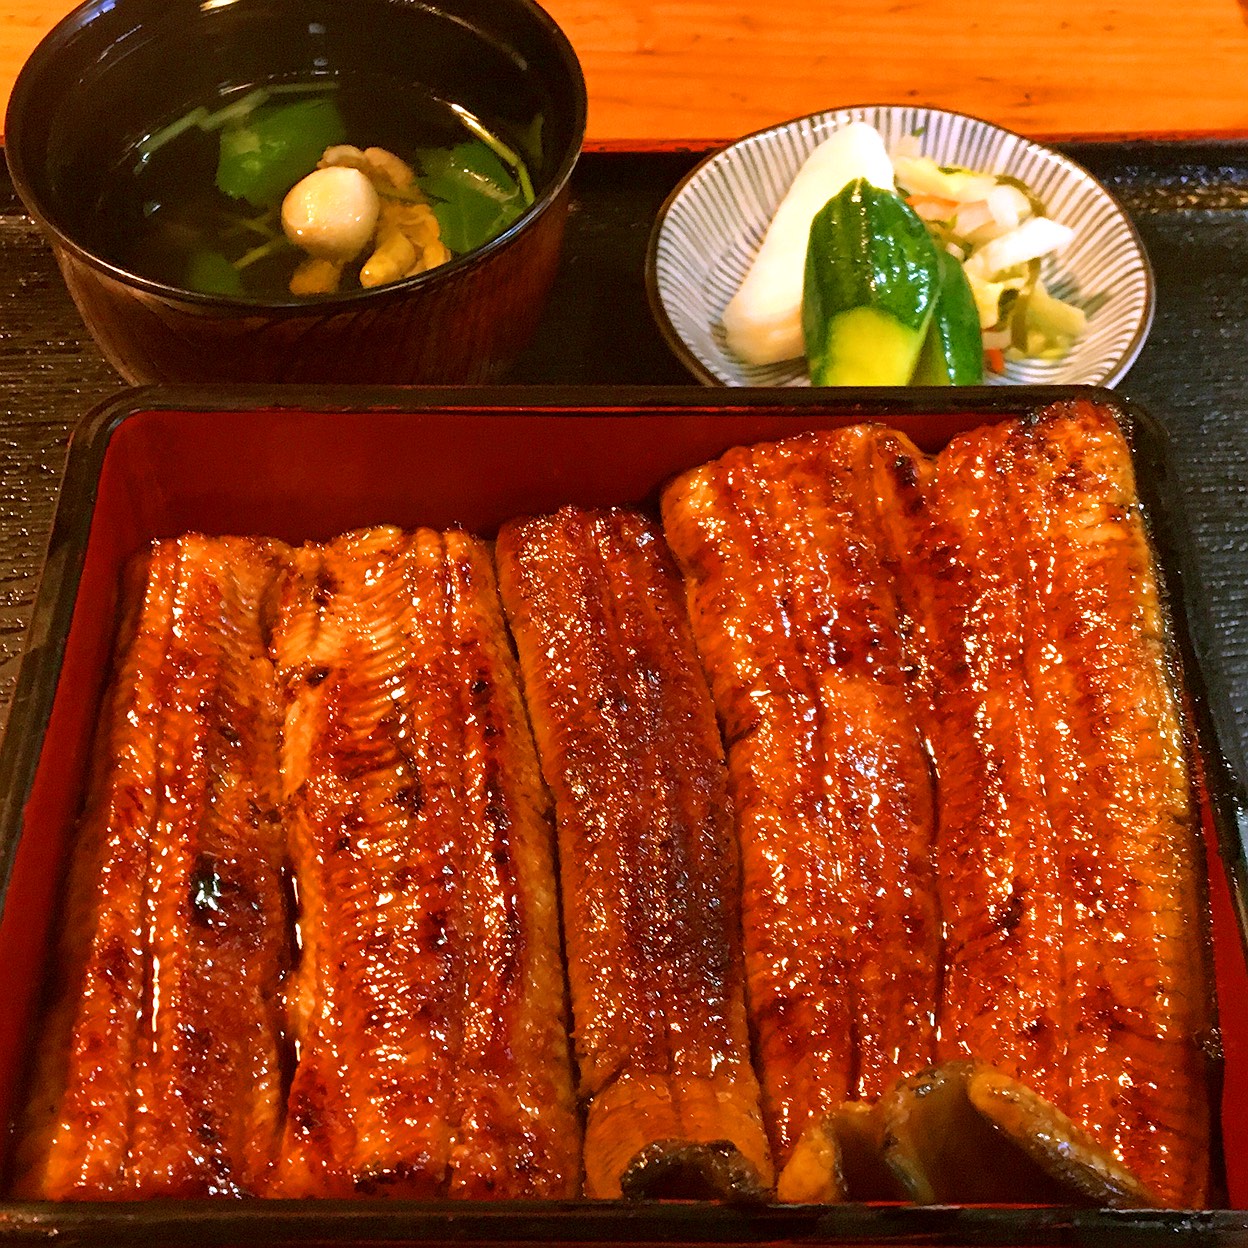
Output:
[[201, 205], [267, 150], [474, 196], [212, 273]]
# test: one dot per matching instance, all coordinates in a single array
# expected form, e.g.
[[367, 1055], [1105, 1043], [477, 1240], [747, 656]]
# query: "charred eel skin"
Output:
[[1069, 859], [162, 1066], [630, 748], [790, 592], [1069, 862], [428, 1006]]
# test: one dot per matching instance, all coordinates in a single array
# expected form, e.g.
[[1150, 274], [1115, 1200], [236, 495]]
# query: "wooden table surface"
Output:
[[706, 70]]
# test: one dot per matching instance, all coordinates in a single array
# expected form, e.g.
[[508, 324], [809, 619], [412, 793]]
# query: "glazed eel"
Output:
[[791, 597], [1138, 982], [1076, 951], [160, 1071], [989, 623], [963, 580], [630, 749], [963, 806], [429, 1004]]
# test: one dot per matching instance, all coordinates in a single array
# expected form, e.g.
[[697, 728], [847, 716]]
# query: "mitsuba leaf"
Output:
[[473, 194], [211, 273], [265, 153]]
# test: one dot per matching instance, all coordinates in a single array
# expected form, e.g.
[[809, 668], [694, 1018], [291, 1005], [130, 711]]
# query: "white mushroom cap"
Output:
[[331, 213]]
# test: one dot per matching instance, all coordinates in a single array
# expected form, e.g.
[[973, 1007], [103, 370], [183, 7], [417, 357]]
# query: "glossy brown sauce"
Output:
[[884, 769]]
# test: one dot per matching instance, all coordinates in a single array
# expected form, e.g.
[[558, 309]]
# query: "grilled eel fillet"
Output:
[[630, 749], [964, 584], [1068, 863], [1138, 982], [1075, 942], [428, 1006], [161, 1067], [790, 591]]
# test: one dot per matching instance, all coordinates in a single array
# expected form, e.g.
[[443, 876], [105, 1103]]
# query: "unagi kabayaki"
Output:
[[161, 1066], [631, 751], [963, 580], [998, 603], [1138, 984], [1069, 862], [428, 1007], [789, 572]]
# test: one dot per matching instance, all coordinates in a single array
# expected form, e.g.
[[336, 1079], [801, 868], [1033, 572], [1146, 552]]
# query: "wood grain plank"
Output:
[[702, 70]]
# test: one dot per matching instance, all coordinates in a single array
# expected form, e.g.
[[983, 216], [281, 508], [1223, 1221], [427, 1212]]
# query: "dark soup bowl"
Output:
[[155, 143]]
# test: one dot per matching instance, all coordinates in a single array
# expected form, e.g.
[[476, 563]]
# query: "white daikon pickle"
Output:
[[1034, 238], [764, 318]]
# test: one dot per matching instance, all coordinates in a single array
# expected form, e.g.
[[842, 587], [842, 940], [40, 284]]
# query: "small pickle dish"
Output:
[[251, 883], [999, 260]]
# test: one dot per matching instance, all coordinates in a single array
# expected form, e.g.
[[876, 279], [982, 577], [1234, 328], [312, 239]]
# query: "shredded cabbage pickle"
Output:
[[1000, 231]]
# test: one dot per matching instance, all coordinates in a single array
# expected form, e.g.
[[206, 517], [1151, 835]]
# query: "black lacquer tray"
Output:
[[1190, 204], [1189, 201]]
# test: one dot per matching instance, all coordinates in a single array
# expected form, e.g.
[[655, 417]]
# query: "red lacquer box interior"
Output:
[[304, 466]]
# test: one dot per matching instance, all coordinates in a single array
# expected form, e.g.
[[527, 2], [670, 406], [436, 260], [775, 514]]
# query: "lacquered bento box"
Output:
[[301, 465]]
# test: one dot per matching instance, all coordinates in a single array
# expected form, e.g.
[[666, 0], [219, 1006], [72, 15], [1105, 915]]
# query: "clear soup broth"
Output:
[[198, 201]]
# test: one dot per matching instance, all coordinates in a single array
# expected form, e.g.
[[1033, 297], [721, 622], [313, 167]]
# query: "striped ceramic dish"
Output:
[[707, 234]]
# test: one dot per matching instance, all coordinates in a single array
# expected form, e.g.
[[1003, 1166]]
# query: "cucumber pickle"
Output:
[[871, 285]]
